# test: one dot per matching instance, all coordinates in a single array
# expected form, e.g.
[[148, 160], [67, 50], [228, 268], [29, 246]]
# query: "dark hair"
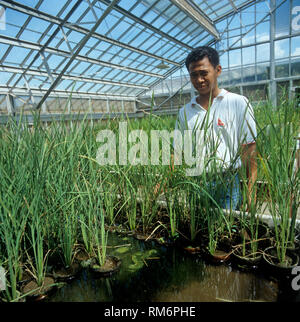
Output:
[[199, 53]]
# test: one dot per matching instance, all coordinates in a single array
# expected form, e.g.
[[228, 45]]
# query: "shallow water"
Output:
[[165, 275]]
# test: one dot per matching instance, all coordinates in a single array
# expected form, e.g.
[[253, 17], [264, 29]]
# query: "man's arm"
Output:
[[249, 161]]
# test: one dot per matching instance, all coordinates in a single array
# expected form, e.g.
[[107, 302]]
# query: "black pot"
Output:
[[220, 256], [67, 273], [294, 247], [106, 270], [248, 261], [277, 269], [34, 292]]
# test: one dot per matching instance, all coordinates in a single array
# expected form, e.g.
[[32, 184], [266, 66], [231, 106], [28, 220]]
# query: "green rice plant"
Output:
[[37, 257], [276, 152], [12, 230], [194, 221], [213, 234], [212, 215], [172, 206], [91, 213], [131, 207], [62, 207], [147, 181], [249, 231], [38, 263], [16, 177], [110, 200], [128, 194], [101, 239], [86, 233], [67, 235], [86, 219], [249, 215]]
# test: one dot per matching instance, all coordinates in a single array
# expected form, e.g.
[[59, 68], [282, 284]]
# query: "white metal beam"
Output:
[[149, 26], [36, 72], [59, 52], [78, 49], [22, 91], [197, 15], [41, 15]]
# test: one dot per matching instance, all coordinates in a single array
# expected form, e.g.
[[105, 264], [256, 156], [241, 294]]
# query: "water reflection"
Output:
[[169, 276], [221, 283]]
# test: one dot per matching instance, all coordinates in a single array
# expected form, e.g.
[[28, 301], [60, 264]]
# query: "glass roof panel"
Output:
[[133, 36], [16, 55], [54, 8], [215, 9], [4, 77], [127, 4], [3, 49]]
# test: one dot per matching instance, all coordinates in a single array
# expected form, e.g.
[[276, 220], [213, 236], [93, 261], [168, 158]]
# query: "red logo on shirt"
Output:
[[220, 123]]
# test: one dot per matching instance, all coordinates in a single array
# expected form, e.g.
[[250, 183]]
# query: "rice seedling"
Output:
[[86, 219], [213, 232], [86, 233], [38, 263], [67, 235], [194, 214], [110, 200], [130, 204], [12, 230], [173, 209], [149, 197], [100, 241], [277, 155]]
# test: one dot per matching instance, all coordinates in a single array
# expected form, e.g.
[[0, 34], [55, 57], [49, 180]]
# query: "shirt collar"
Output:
[[221, 95]]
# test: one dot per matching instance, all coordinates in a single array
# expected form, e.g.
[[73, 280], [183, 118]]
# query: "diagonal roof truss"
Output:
[[113, 48]]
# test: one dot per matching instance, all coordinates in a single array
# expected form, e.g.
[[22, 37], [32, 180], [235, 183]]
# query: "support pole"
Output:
[[10, 105], [272, 89]]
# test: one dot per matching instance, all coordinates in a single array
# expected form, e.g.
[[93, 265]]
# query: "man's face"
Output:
[[204, 76]]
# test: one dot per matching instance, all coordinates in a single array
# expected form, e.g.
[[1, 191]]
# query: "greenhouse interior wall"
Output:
[[260, 65], [259, 51]]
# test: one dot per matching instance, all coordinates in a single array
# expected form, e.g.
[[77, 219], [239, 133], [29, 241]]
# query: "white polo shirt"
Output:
[[228, 124]]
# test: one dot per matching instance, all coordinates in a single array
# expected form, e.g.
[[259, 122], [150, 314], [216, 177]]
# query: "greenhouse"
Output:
[[112, 190]]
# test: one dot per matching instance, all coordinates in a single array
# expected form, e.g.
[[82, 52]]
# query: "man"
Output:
[[226, 123]]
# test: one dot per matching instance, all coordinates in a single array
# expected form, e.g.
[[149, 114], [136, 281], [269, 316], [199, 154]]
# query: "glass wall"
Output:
[[249, 39], [247, 43]]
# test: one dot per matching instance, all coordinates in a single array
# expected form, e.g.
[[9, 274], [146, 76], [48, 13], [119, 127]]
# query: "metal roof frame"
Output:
[[110, 65]]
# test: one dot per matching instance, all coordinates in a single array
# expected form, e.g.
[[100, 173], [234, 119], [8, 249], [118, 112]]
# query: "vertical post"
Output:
[[91, 111], [10, 105], [272, 89], [107, 106], [44, 108], [290, 90], [70, 112], [122, 104]]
